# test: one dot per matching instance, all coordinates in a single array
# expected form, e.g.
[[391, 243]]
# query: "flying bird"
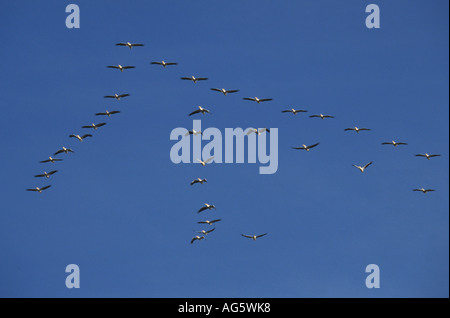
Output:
[[253, 237], [37, 189], [194, 79], [63, 149], [117, 96], [225, 91], [206, 161], [193, 132], [207, 207], [130, 45], [164, 64], [356, 129], [108, 113], [258, 100], [394, 143], [120, 67], [424, 190], [209, 222], [80, 138], [256, 131], [198, 180], [50, 159], [294, 111], [199, 110], [46, 174], [195, 238], [206, 232], [321, 116], [95, 126], [427, 156], [305, 147], [364, 167]]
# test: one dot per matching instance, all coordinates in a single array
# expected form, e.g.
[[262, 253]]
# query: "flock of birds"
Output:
[[201, 110]]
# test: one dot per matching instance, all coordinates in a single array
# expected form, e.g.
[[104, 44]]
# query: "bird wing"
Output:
[[46, 187], [265, 99], [201, 78], [387, 143], [368, 164], [100, 114], [86, 135], [186, 78], [202, 209], [314, 116], [112, 66], [249, 98], [364, 129], [59, 151], [121, 44], [287, 111], [124, 95], [109, 96], [247, 236], [52, 172], [250, 130], [172, 63], [312, 146], [156, 63], [32, 190], [87, 127], [347, 129], [127, 67], [101, 124], [209, 159], [137, 44], [233, 91], [195, 112], [431, 156], [214, 221], [39, 175], [210, 231], [261, 235], [114, 112], [216, 89]]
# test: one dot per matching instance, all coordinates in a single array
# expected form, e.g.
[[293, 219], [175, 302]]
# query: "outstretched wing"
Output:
[[247, 236], [265, 99], [368, 164], [209, 159], [123, 95], [312, 146], [261, 235], [195, 112], [86, 135]]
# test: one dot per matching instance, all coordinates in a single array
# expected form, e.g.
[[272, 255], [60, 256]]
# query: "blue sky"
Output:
[[125, 214]]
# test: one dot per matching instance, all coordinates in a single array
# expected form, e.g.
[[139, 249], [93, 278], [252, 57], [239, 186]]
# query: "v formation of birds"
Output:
[[203, 233]]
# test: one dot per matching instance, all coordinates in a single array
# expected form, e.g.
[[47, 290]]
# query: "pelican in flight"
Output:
[[108, 113], [321, 116], [164, 64], [209, 222], [63, 149], [253, 237], [424, 190], [50, 159], [225, 91], [199, 110], [206, 232], [95, 126], [294, 111], [394, 143], [258, 100], [256, 131], [117, 96], [207, 207], [427, 156], [194, 132], [80, 138], [120, 67], [130, 45], [194, 79], [199, 238], [37, 189], [198, 180], [362, 168], [46, 174], [206, 161], [356, 129], [305, 147]]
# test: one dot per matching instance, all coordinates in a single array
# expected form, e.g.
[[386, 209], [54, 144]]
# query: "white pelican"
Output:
[[198, 180], [305, 147], [206, 161], [37, 189], [362, 168], [130, 45], [197, 238], [46, 174], [95, 126], [207, 207], [321, 116], [120, 67], [424, 190], [427, 156], [225, 91], [294, 111], [164, 64], [194, 79], [256, 131], [258, 100], [253, 237], [199, 110], [50, 159], [193, 132], [80, 138], [206, 232], [209, 222], [394, 143], [117, 96], [63, 149], [356, 129], [108, 113]]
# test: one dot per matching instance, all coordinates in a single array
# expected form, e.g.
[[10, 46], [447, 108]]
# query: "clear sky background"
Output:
[[125, 214]]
